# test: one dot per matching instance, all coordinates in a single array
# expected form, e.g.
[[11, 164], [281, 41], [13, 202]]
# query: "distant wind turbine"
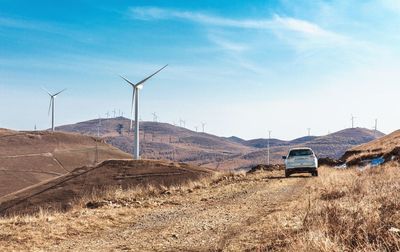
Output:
[[182, 123], [135, 99], [52, 106], [155, 117], [203, 125]]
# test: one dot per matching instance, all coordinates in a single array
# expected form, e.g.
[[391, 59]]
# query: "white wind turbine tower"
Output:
[[182, 123], [375, 127], [155, 117], [52, 106], [135, 99], [203, 125]]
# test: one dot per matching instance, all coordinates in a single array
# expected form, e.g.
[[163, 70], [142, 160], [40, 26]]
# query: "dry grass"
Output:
[[349, 210], [92, 213], [341, 210], [134, 195]]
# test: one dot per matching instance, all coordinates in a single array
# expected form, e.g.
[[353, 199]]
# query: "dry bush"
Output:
[[354, 211]]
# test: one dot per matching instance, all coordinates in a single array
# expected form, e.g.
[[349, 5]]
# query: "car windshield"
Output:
[[297, 153]]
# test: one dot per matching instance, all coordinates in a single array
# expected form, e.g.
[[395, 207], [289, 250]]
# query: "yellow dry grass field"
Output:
[[341, 210]]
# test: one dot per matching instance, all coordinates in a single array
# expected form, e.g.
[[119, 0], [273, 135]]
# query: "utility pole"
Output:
[[195, 127], [268, 148], [114, 112], [203, 125], [96, 154], [108, 114], [98, 127], [309, 131], [352, 121]]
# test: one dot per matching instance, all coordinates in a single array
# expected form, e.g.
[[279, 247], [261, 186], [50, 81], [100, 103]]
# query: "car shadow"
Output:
[[292, 176]]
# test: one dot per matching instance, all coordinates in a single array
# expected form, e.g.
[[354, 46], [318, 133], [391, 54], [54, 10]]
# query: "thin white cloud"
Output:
[[228, 45], [306, 28], [275, 24]]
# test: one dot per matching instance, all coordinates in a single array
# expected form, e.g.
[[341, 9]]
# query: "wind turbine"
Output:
[[52, 105], [135, 99], [203, 125], [155, 117]]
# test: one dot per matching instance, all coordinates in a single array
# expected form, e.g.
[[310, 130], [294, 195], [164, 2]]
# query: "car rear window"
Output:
[[296, 153]]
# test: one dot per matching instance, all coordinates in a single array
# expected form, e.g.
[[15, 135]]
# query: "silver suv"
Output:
[[301, 160]]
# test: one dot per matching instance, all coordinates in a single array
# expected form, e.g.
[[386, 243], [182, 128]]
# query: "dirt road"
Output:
[[233, 214]]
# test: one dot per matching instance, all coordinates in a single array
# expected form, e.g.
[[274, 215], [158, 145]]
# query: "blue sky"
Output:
[[243, 67]]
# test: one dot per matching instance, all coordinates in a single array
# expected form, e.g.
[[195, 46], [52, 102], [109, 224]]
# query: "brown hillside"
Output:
[[27, 158], [387, 147], [333, 145], [163, 141], [61, 193], [167, 142]]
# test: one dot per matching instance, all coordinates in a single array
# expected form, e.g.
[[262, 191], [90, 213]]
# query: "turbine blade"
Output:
[[51, 100], [133, 85], [60, 92], [46, 91], [144, 80]]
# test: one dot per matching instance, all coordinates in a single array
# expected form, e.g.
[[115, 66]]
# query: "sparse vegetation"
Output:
[[342, 210], [351, 210]]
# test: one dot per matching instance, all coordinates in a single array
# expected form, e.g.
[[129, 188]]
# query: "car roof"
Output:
[[301, 148]]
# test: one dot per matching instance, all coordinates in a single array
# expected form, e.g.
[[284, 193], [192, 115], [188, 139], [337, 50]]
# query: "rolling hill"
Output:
[[168, 142], [387, 147], [61, 193], [27, 158]]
